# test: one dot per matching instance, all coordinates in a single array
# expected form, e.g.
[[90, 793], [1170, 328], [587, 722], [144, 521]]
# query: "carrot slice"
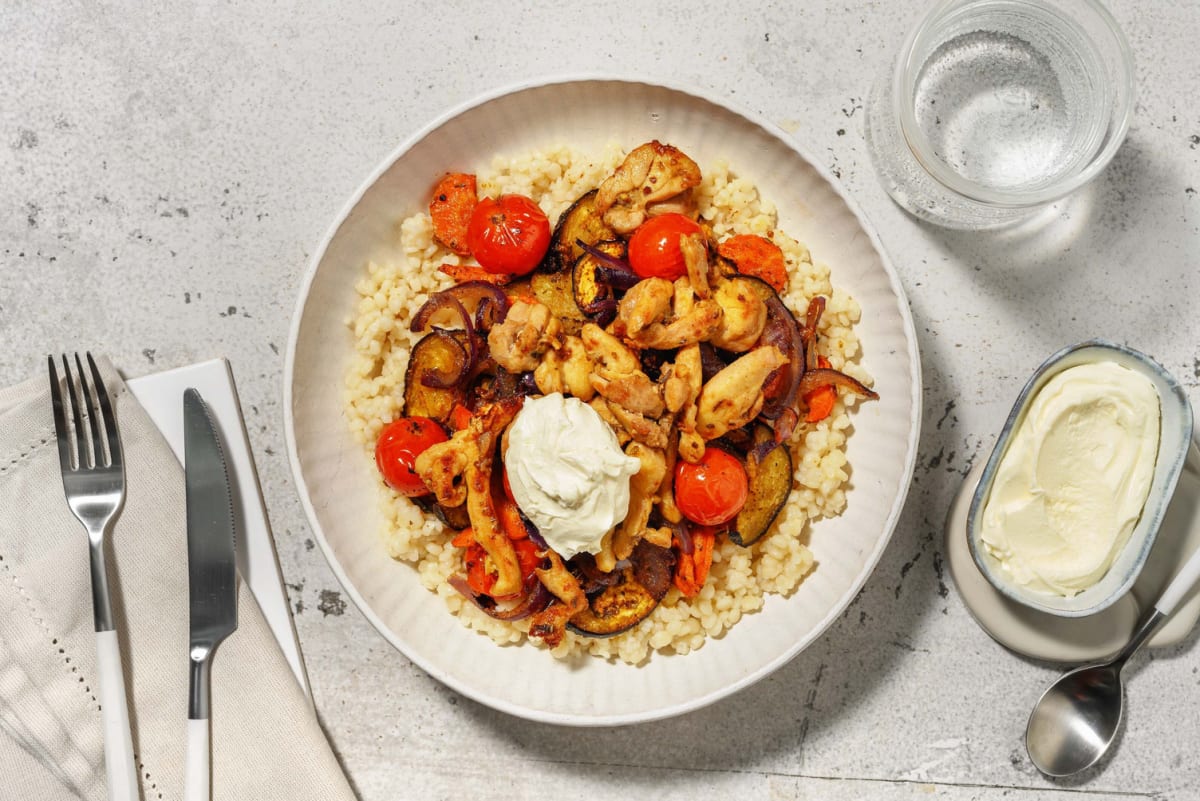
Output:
[[463, 538], [461, 273], [510, 518], [454, 198], [460, 417], [756, 256], [691, 571], [820, 401], [480, 575]]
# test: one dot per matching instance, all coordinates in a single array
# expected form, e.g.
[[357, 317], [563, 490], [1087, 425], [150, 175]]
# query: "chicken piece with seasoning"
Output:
[[653, 179]]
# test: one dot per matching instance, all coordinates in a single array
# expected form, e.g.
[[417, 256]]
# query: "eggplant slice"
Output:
[[630, 600], [770, 485], [438, 352], [580, 221]]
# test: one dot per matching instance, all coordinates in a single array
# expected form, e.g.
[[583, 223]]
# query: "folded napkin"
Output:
[[266, 741]]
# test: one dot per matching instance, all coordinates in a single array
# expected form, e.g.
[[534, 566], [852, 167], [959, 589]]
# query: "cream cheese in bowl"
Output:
[[1072, 484], [1072, 496]]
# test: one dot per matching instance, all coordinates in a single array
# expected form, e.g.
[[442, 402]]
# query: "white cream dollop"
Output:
[[567, 472], [1071, 486]]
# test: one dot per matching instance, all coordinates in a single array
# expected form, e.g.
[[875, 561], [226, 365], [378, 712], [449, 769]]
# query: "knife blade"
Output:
[[212, 576]]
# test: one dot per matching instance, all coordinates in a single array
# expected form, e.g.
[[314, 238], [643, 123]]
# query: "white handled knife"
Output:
[[212, 578]]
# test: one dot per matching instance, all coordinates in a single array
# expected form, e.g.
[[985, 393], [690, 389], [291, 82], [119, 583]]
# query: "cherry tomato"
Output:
[[399, 445], [481, 573], [713, 490], [508, 234], [654, 246]]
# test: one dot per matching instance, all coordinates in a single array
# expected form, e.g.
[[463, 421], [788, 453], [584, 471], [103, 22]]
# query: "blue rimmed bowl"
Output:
[[1175, 434]]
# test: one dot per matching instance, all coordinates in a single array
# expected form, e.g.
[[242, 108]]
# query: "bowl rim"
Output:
[[1146, 529], [890, 522]]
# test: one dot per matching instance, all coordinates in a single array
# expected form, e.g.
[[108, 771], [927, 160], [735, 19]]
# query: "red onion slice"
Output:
[[783, 332], [612, 268], [447, 299], [683, 536], [462, 365], [536, 598], [823, 376]]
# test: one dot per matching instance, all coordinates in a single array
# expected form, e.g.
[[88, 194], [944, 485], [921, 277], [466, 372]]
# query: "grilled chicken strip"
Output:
[[551, 622], [734, 396]]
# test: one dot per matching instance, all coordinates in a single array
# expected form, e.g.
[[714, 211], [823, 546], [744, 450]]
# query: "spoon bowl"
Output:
[[1076, 719]]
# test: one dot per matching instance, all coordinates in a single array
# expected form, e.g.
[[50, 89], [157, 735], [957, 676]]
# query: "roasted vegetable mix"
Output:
[[680, 343]]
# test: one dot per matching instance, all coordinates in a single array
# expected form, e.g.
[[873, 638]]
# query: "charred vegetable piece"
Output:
[[616, 609], [770, 483], [757, 256], [454, 517], [821, 376], [463, 273], [652, 567], [481, 302], [692, 571], [783, 331], [438, 353], [589, 289], [578, 222], [632, 597], [555, 291], [519, 289], [454, 199]]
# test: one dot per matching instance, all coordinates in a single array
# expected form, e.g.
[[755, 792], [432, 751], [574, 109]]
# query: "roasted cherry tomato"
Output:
[[399, 445], [508, 234], [713, 490], [481, 573], [654, 247]]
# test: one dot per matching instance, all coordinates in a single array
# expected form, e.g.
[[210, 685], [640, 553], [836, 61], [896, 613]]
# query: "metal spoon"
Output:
[[1076, 719]]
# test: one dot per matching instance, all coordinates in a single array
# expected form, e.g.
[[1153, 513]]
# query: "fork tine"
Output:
[[93, 417], [106, 409], [60, 417], [80, 445]]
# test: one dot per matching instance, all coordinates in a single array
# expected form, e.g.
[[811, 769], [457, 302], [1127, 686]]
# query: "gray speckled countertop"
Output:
[[168, 168]]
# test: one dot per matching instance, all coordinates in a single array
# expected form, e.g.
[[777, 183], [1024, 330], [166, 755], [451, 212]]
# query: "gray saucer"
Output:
[[1070, 640]]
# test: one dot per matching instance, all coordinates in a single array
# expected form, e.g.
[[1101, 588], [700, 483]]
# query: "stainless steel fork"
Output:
[[93, 473]]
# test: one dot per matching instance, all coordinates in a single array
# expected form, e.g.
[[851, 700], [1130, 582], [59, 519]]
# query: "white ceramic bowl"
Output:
[[333, 473], [1175, 435]]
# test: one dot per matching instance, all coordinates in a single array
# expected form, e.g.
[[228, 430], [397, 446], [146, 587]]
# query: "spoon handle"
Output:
[[1179, 586]]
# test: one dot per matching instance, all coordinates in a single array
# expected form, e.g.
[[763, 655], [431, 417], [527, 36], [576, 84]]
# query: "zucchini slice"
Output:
[[555, 290], [616, 609], [632, 598]]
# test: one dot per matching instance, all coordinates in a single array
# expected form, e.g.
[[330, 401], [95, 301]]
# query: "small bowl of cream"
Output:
[[1071, 499]]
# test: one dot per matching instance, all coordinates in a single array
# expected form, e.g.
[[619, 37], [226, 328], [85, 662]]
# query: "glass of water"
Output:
[[996, 108]]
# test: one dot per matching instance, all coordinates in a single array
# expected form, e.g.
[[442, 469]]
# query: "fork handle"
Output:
[[119, 766]]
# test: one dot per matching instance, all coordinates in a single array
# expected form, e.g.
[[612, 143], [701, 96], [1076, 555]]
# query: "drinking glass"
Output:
[[996, 108]]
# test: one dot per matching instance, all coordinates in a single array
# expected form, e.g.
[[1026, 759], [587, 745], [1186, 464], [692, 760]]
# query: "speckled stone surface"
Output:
[[168, 167]]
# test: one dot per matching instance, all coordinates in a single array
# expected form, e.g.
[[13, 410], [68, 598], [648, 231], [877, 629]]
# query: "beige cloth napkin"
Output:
[[266, 741]]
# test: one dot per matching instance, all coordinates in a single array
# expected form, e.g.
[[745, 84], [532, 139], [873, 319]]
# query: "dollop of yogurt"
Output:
[[1071, 486], [567, 472]]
